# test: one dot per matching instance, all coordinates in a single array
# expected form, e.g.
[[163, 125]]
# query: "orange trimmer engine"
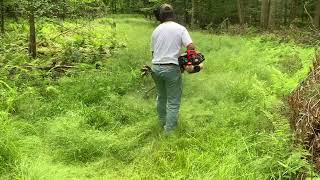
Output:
[[191, 57], [191, 54]]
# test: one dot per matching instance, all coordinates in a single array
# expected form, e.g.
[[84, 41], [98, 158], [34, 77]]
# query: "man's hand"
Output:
[[145, 70], [191, 47]]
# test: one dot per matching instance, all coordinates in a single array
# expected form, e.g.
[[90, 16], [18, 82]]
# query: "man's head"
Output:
[[165, 13]]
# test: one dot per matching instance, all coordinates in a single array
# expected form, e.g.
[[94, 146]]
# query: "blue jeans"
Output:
[[169, 90]]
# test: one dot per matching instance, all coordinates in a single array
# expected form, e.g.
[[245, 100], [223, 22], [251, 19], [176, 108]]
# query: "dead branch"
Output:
[[310, 17]]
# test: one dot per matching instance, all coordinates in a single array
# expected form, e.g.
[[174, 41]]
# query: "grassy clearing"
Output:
[[101, 124]]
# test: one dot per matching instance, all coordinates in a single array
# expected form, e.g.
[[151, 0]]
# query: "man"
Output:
[[167, 41]]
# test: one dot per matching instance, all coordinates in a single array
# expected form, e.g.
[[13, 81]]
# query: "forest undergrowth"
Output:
[[82, 111]]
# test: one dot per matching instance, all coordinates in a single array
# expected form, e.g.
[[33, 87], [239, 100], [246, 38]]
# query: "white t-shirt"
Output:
[[167, 41]]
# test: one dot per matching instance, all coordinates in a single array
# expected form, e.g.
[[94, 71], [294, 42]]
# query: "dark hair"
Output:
[[167, 16], [164, 13]]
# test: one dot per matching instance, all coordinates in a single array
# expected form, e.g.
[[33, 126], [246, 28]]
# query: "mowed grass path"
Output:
[[232, 124], [103, 124]]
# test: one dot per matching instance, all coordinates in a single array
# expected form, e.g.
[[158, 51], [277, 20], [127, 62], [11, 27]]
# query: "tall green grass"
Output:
[[101, 124]]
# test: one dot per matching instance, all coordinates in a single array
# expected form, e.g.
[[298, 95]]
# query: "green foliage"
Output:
[[207, 14], [76, 45], [9, 156], [100, 124]]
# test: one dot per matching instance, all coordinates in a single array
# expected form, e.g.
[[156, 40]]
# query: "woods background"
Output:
[[205, 13]]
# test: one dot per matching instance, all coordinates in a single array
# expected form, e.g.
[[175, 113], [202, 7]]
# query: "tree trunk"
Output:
[[186, 14], [264, 14], [32, 27], [193, 13], [294, 9], [112, 6], [2, 16], [240, 7], [285, 12], [272, 13], [64, 9], [115, 7], [316, 18]]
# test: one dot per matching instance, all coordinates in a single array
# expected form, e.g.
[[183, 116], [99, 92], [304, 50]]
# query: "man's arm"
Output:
[[191, 47], [187, 41]]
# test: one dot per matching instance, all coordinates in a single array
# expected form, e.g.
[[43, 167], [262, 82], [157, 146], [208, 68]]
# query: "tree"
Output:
[[272, 13], [2, 15], [114, 6], [241, 14], [316, 19], [32, 29], [64, 9], [285, 12], [294, 5], [32, 9], [264, 20], [193, 13]]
